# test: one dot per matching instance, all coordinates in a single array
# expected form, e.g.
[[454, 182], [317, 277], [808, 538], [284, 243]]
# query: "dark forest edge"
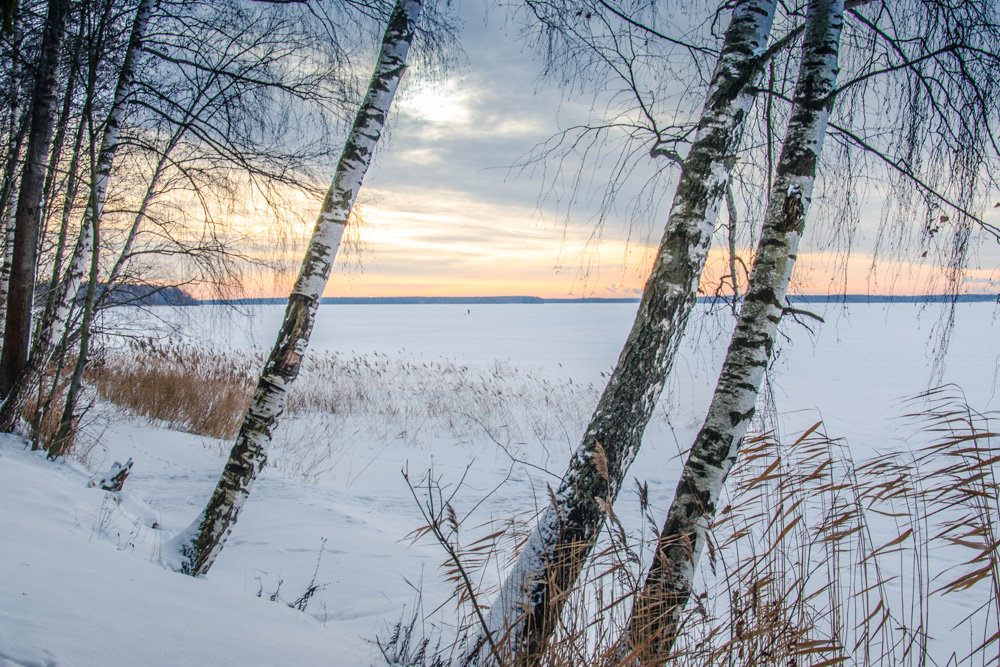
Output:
[[135, 294], [475, 300]]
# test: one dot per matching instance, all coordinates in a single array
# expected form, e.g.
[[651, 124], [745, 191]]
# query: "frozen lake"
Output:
[[853, 372], [490, 400]]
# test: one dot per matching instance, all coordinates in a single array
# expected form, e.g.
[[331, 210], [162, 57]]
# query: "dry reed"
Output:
[[206, 391], [815, 559]]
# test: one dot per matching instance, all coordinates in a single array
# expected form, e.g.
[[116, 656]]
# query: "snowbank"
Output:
[[71, 596]]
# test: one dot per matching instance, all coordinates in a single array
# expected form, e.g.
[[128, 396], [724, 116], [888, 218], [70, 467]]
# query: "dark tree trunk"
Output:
[[17, 331]]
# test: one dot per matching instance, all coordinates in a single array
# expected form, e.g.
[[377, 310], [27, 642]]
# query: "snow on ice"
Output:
[[80, 577]]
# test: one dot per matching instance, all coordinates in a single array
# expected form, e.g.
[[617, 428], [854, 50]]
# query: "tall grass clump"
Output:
[[815, 558], [196, 389], [205, 391]]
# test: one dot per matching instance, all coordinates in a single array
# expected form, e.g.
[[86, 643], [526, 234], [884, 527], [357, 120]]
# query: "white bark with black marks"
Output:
[[658, 609], [90, 236], [8, 191], [80, 258], [6, 263], [201, 543], [526, 611]]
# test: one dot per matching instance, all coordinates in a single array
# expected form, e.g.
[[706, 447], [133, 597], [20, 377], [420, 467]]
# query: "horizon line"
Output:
[[529, 299]]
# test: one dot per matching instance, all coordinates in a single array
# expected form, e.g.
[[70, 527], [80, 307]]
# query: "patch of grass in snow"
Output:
[[206, 391], [301, 602]]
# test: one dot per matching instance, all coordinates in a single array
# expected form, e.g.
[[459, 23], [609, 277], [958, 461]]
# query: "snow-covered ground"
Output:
[[492, 394]]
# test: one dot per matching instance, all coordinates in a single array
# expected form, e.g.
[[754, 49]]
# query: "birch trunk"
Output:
[[203, 541], [27, 220], [18, 129], [63, 439], [72, 188], [50, 328], [102, 172], [657, 611], [526, 611], [6, 264], [62, 123]]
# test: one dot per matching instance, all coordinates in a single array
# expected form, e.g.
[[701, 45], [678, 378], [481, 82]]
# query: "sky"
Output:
[[445, 211]]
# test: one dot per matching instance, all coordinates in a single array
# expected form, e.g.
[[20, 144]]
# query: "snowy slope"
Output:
[[78, 589]]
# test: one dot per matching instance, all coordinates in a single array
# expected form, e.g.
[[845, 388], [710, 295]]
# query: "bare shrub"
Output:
[[301, 602], [42, 410], [409, 646]]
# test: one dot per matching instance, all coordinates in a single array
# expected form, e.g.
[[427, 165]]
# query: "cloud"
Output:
[[437, 103], [446, 214]]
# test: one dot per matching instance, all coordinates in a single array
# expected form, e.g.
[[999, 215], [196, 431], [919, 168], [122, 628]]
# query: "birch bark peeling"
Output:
[[657, 611], [201, 544], [526, 611]]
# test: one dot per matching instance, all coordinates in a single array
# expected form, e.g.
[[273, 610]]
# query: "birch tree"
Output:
[[88, 244], [657, 611], [27, 222], [201, 544], [245, 100], [50, 328], [101, 172], [208, 100], [17, 128], [525, 612]]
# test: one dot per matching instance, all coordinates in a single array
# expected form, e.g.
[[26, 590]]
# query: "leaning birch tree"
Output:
[[526, 610], [658, 608], [201, 543]]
